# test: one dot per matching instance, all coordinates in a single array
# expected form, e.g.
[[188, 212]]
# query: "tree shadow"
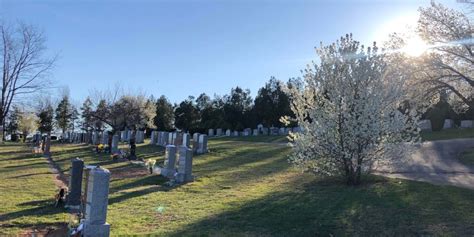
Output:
[[46, 209], [329, 208]]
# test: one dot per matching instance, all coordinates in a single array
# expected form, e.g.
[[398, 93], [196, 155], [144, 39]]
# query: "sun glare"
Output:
[[415, 47]]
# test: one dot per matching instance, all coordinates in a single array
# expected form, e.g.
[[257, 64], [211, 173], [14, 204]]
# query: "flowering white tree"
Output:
[[353, 111]]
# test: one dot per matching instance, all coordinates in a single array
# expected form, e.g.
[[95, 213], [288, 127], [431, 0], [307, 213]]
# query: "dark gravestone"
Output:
[[75, 184]]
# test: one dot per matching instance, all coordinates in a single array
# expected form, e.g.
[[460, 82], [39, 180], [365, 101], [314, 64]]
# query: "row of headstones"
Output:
[[253, 132], [102, 137], [126, 135], [425, 125], [199, 144], [178, 164], [96, 197]]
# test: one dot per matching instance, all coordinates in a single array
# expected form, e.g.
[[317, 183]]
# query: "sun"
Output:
[[415, 47]]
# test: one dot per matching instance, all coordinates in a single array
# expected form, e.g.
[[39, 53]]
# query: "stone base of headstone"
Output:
[[100, 230]]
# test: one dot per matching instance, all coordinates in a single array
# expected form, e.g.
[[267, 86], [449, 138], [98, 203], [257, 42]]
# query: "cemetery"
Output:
[[374, 137]]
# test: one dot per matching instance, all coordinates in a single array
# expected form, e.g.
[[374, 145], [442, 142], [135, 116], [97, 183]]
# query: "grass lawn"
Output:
[[276, 139], [27, 191], [467, 157], [448, 134], [240, 190]]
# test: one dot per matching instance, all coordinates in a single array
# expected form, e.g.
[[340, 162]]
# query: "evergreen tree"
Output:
[[45, 116], [164, 114], [64, 114], [86, 114]]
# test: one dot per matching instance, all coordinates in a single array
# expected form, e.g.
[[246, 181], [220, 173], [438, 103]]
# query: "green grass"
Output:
[[275, 139], [251, 190], [27, 191], [467, 157], [448, 134]]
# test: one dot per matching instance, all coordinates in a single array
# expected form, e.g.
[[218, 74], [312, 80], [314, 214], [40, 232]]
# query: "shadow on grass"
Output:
[[326, 208], [155, 183], [47, 208]]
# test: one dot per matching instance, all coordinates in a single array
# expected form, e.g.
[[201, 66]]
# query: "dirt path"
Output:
[[435, 162], [60, 179]]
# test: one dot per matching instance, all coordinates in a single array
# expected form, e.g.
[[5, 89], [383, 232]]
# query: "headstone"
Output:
[[115, 141], [281, 131], [228, 133], [170, 138], [448, 123], [235, 134], [219, 132], [178, 139], [274, 131], [255, 132], [97, 199], [296, 129], [75, 184], [186, 140], [467, 123], [202, 144], [260, 127], [95, 138], [105, 138], [130, 134], [195, 142], [47, 146], [153, 138], [123, 136], [170, 161], [264, 131], [247, 132], [210, 132], [185, 165], [425, 125]]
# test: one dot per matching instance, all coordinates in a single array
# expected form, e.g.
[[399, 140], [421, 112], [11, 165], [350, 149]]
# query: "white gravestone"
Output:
[[467, 124]]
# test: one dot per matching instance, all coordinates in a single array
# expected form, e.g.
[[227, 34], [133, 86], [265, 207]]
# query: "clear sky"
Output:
[[180, 48]]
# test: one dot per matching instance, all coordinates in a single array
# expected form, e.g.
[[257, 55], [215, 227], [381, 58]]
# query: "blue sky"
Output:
[[181, 48]]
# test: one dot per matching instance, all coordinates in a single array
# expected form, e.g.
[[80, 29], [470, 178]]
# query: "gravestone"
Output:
[[281, 131], [247, 132], [467, 123], [105, 138], [170, 162], [130, 135], [255, 132], [274, 131], [115, 141], [195, 142], [219, 132], [140, 136], [448, 123], [170, 138], [186, 140], [75, 185], [425, 125], [185, 165], [95, 138], [210, 132], [235, 134], [264, 131], [123, 135], [296, 129], [202, 144], [153, 138], [178, 139], [97, 199], [47, 145], [228, 132]]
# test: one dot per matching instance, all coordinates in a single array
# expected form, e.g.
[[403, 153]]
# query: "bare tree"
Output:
[[24, 64]]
